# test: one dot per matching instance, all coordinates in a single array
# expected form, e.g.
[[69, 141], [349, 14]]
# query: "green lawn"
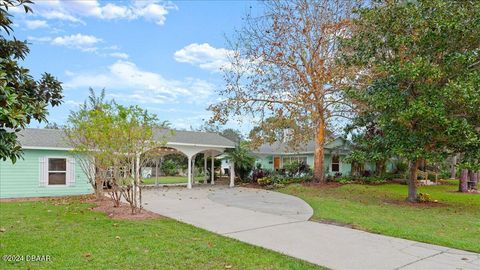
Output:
[[77, 238], [454, 222], [166, 180]]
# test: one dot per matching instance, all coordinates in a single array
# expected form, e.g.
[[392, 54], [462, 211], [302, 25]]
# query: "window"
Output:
[[57, 171], [335, 163], [298, 159]]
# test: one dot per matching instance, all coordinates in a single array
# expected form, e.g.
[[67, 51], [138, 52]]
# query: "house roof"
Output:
[[281, 148], [35, 138]]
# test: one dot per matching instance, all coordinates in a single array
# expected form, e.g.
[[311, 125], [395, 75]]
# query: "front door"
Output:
[[276, 163]]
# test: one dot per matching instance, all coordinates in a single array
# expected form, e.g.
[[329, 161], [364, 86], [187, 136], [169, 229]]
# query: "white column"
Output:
[[205, 177], [189, 173], [232, 174], [212, 173], [193, 168]]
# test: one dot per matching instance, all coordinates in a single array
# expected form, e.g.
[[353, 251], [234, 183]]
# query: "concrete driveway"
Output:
[[280, 222]]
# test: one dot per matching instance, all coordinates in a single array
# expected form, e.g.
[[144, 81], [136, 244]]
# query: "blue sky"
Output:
[[163, 56]]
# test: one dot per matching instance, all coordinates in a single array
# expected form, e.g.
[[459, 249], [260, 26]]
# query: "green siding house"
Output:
[[47, 168], [275, 156]]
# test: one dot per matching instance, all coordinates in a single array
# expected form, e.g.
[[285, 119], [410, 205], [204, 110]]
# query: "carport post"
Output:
[[232, 174], [212, 172], [193, 168], [189, 174], [205, 177]]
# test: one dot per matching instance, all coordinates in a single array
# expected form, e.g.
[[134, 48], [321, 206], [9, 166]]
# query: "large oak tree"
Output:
[[418, 77]]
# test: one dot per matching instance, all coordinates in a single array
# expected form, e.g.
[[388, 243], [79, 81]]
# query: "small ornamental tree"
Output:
[[112, 143], [22, 98], [413, 61]]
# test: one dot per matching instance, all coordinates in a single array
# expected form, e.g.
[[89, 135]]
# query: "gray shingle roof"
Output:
[[309, 147], [55, 138]]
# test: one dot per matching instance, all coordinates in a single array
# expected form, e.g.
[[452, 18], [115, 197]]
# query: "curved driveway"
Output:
[[280, 222]]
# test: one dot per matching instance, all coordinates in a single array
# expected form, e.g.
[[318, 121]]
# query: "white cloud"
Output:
[[39, 39], [34, 24], [74, 10], [132, 84], [204, 56], [119, 55], [77, 41]]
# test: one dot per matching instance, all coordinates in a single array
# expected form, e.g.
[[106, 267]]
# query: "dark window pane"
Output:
[[57, 164], [335, 167], [57, 178], [335, 159]]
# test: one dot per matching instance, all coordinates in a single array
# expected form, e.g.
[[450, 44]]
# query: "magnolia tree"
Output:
[[282, 66], [417, 79], [22, 98], [112, 143]]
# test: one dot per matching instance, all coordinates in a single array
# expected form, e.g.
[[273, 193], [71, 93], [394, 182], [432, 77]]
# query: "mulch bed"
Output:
[[123, 212]]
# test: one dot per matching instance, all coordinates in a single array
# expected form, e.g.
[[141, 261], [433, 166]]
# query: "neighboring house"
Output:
[[224, 165], [275, 156], [48, 168]]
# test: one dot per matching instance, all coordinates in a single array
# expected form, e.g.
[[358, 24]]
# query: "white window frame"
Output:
[[295, 158], [331, 164], [48, 171]]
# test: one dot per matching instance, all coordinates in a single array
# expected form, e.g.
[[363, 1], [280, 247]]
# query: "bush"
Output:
[[282, 180], [373, 180], [169, 167], [424, 197], [344, 179], [265, 181], [401, 167], [369, 180]]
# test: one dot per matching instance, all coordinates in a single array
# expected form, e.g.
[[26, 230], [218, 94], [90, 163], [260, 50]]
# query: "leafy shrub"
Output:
[[169, 167], [401, 167], [243, 160], [424, 197], [264, 181], [282, 180], [344, 179], [373, 180], [359, 180]]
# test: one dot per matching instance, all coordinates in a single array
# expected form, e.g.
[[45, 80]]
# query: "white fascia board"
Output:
[[46, 148], [199, 145]]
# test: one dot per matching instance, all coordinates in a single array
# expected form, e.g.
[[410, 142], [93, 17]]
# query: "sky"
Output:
[[163, 56]]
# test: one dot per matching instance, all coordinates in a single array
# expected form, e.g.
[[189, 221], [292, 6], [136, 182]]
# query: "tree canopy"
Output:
[[283, 66], [22, 98], [417, 77]]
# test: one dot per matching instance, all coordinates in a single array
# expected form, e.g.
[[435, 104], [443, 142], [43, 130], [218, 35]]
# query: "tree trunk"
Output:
[[463, 184], [412, 180], [98, 188], [453, 170], [380, 167], [138, 194], [318, 163], [475, 179]]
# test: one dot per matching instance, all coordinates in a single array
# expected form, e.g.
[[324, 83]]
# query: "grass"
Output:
[[166, 180], [77, 238], [453, 222]]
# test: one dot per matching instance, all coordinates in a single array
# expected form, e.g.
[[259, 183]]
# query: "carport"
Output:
[[191, 144]]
